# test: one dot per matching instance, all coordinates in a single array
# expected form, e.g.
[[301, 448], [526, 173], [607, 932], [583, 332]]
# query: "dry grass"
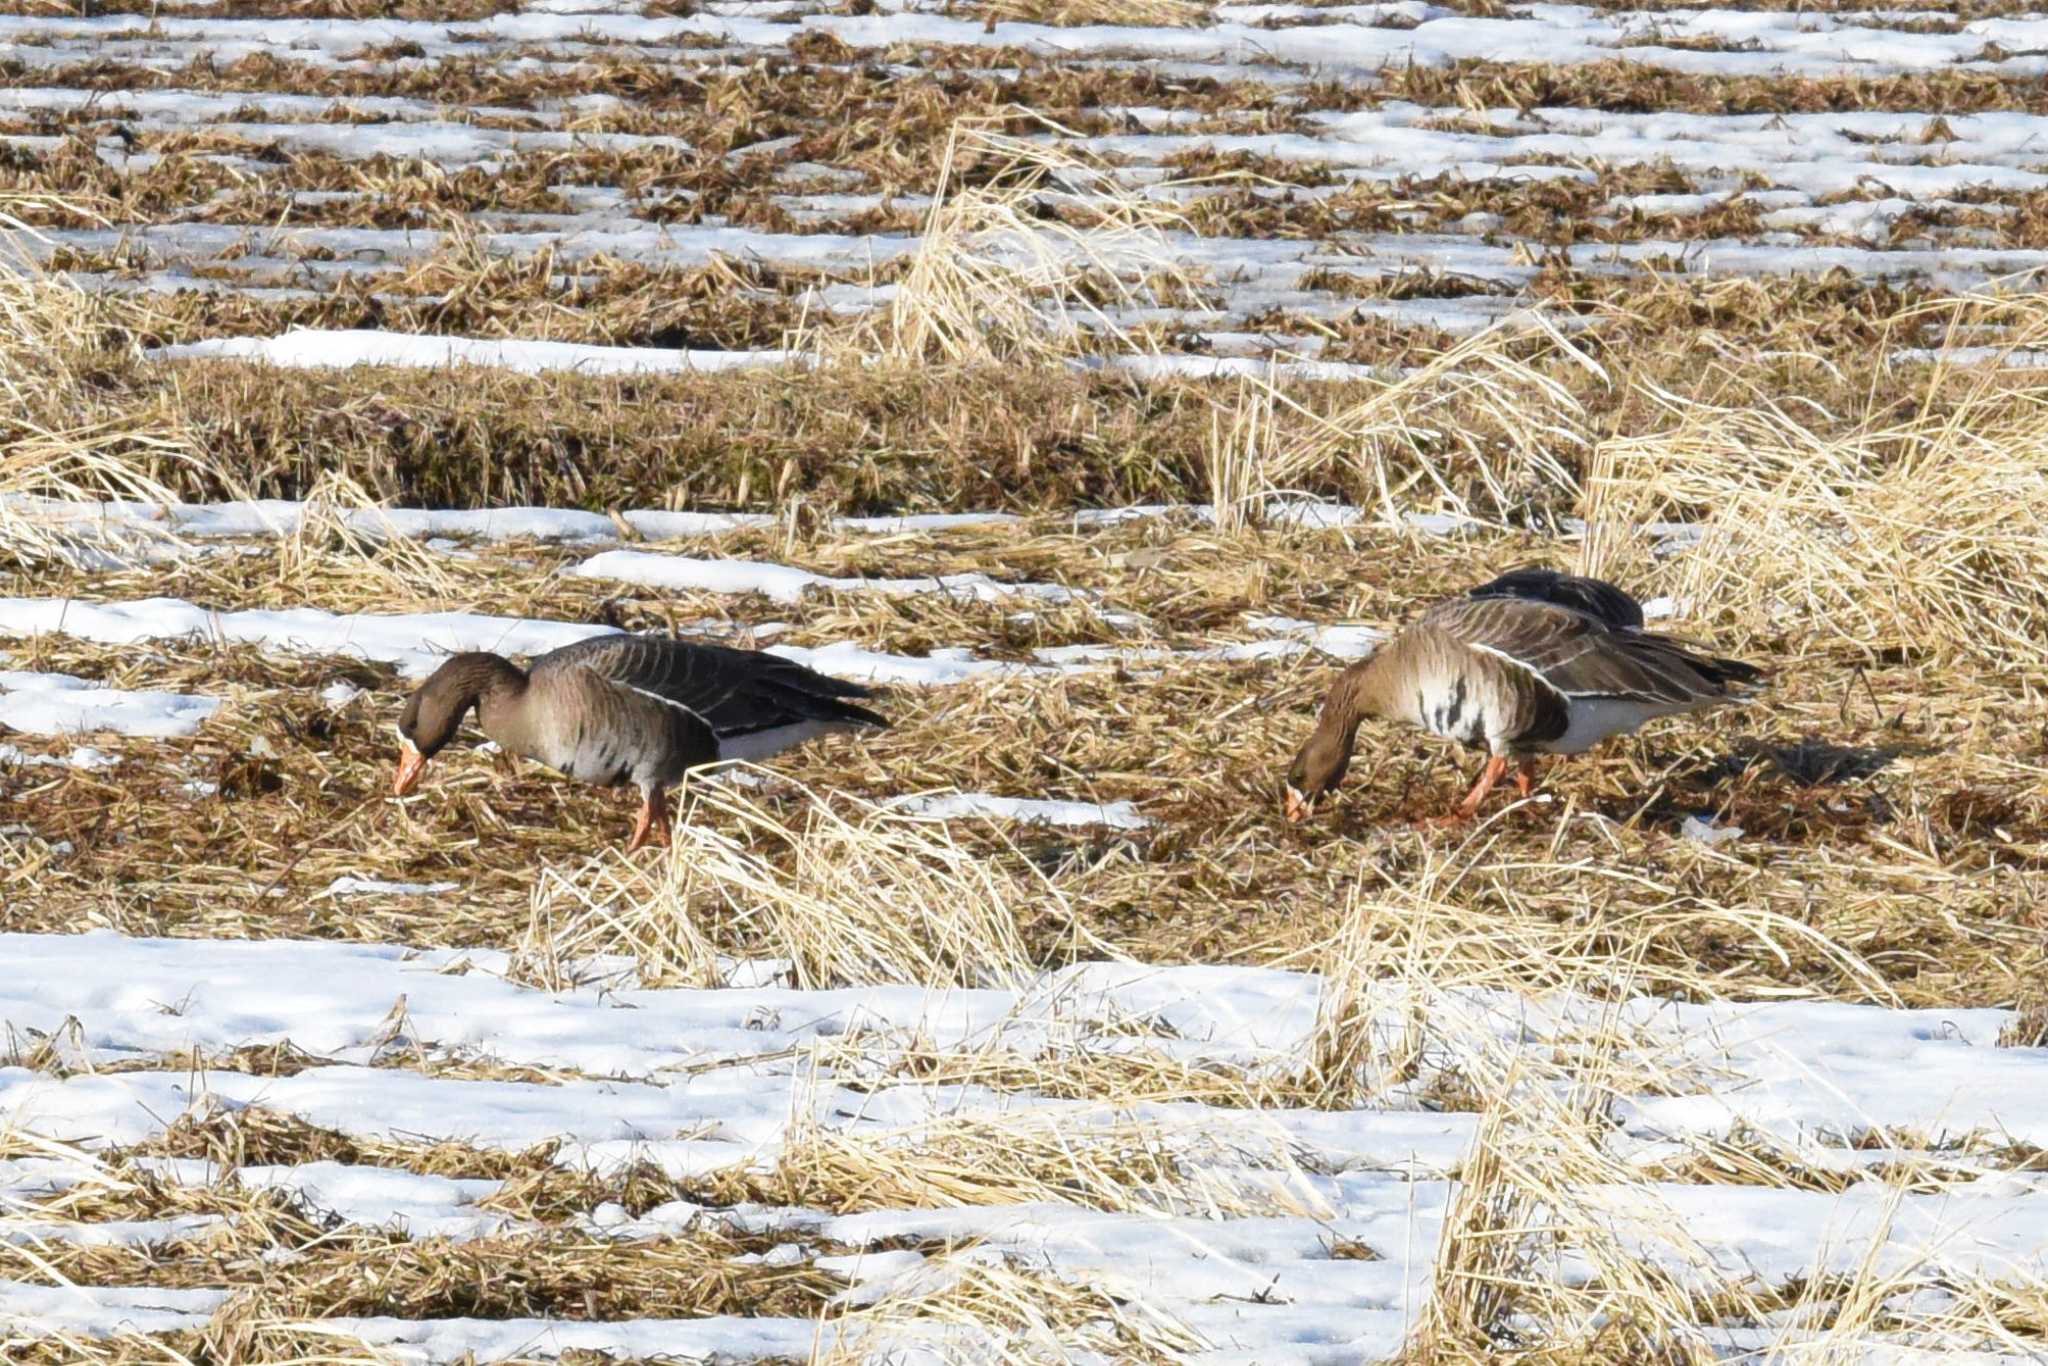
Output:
[[1075, 13], [1027, 248], [885, 437], [1481, 405], [1543, 1248], [59, 448], [1090, 1157], [1087, 1062], [1632, 86], [1238, 456], [1873, 534], [1908, 792], [978, 1306], [849, 893], [1920, 534], [343, 529]]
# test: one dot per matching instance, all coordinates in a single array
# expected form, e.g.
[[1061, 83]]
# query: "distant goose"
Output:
[[1535, 662], [621, 709]]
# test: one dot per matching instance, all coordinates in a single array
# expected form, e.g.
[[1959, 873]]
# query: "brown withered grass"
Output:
[[1868, 530], [1908, 787]]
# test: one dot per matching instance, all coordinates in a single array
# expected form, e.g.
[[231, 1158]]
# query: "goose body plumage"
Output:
[[756, 704], [617, 710], [1533, 663]]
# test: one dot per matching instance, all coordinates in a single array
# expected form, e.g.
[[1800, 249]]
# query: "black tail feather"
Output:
[[1595, 597], [1733, 673]]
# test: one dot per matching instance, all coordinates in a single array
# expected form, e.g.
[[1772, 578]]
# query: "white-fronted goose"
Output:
[[1535, 662], [623, 709]]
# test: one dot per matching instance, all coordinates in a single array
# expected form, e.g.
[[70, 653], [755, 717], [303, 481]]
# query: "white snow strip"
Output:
[[198, 106], [85, 757], [1366, 38], [106, 1233], [949, 806], [59, 704], [2004, 357], [416, 642], [786, 583], [369, 886], [268, 518], [305, 348], [1262, 272], [1804, 1071], [100, 1311], [332, 998], [1776, 44], [721, 1338], [1814, 155], [445, 144], [313, 349], [1173, 366], [339, 694], [1343, 642], [373, 1197]]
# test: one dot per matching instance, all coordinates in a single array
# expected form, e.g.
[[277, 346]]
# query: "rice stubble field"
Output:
[[1097, 380]]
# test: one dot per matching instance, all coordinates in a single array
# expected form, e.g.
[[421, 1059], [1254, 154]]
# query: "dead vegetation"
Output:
[[1041, 249], [1755, 451], [884, 438], [848, 896], [1077, 13]]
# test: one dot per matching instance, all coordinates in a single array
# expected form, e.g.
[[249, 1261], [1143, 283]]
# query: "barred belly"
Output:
[[1452, 708]]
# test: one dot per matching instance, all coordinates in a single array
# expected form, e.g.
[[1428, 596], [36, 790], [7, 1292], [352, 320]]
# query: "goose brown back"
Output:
[[1533, 663], [621, 709]]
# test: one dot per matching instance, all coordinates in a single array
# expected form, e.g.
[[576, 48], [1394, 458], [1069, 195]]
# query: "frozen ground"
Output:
[[1921, 194], [273, 1037], [703, 1080]]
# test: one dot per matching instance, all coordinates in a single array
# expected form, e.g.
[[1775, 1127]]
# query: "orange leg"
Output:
[[653, 818], [1525, 775], [1467, 809]]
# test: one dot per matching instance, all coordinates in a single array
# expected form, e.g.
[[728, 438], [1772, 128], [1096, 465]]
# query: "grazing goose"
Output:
[[623, 709], [1535, 662]]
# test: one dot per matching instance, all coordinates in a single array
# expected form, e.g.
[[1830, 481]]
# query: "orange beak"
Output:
[[1297, 806], [411, 763]]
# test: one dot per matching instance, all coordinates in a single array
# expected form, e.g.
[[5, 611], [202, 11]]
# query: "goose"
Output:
[[1534, 662], [618, 709]]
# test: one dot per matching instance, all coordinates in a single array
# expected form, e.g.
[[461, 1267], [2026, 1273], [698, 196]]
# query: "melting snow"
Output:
[[1116, 815], [58, 704], [785, 583], [369, 886], [84, 757], [104, 1310], [311, 349], [1804, 1071]]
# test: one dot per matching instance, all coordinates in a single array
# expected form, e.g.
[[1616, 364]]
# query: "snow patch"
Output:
[[1032, 811], [85, 757], [788, 584], [308, 348], [59, 704], [369, 886]]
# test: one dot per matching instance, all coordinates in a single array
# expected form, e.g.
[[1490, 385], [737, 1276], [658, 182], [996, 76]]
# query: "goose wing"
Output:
[[736, 692], [1579, 655]]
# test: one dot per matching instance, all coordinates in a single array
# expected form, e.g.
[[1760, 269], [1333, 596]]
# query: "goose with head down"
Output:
[[620, 709], [1534, 662]]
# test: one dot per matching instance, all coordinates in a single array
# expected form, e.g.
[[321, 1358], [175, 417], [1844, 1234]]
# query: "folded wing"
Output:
[[1580, 655], [737, 692]]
